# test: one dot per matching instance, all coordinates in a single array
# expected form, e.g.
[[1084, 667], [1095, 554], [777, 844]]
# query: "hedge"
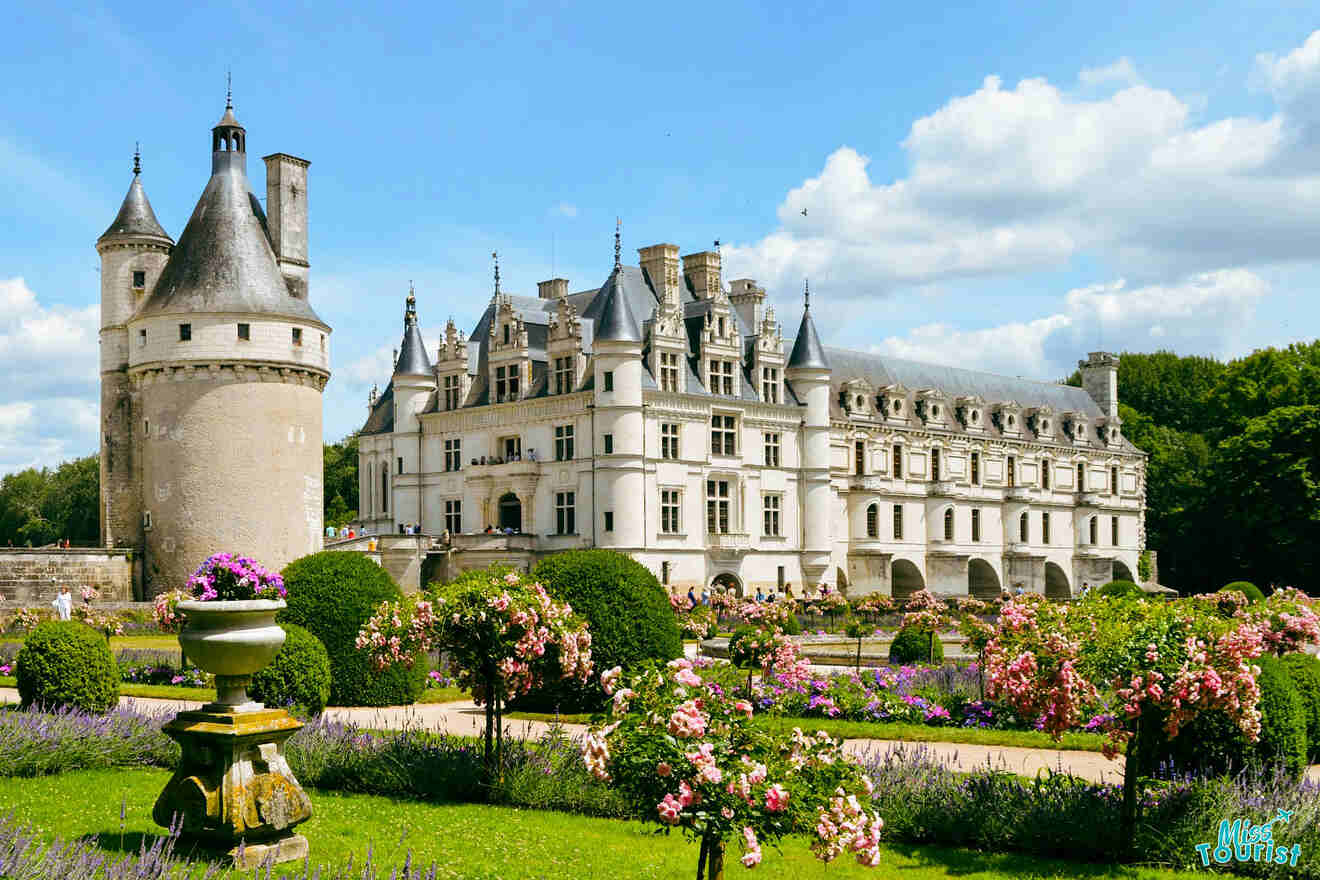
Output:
[[1249, 589], [67, 663], [912, 645], [298, 676], [1304, 670], [1122, 588]]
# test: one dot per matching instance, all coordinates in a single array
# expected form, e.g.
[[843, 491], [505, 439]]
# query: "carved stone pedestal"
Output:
[[233, 790]]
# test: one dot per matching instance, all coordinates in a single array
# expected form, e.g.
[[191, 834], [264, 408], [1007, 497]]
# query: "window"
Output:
[[1044, 528], [322, 342], [976, 524], [873, 521], [506, 334], [898, 522], [976, 468], [721, 325], [609, 520], [669, 440], [142, 339], [1094, 529], [384, 487], [770, 510], [859, 457], [453, 455], [779, 577], [506, 383], [1113, 481], [454, 516], [245, 332], [1113, 530], [146, 519], [1011, 475], [185, 332], [563, 442], [607, 379], [723, 434], [948, 524], [139, 279], [565, 514], [935, 463], [512, 448], [670, 504], [452, 390], [563, 375], [297, 336], [607, 441], [664, 572], [721, 377], [400, 464], [771, 449], [1023, 529], [668, 371], [898, 461], [769, 384], [717, 507], [1045, 474], [1081, 477]]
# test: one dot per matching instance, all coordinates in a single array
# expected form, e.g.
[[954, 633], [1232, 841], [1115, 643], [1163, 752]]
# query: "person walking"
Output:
[[63, 603], [692, 598]]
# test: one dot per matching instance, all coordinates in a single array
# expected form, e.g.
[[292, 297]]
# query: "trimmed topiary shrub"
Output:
[[1305, 673], [1121, 588], [331, 594], [912, 645], [298, 676], [66, 663], [627, 612], [1247, 588]]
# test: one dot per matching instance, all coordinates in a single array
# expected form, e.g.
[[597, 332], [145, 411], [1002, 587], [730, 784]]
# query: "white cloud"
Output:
[[43, 432], [45, 348], [566, 209], [1293, 79], [1121, 71]]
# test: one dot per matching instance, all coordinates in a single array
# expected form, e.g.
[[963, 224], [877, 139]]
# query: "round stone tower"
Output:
[[226, 363]]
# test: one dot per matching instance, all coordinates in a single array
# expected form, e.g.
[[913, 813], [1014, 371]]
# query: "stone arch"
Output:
[[510, 509], [727, 581], [1056, 582], [1122, 572], [906, 578], [982, 581]]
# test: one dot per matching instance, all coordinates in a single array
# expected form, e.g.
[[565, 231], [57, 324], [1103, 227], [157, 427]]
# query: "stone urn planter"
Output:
[[232, 640]]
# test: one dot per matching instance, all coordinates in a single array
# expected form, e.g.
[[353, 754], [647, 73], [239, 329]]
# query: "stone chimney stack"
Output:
[[286, 218], [703, 273], [747, 298], [1100, 379], [555, 288], [660, 263]]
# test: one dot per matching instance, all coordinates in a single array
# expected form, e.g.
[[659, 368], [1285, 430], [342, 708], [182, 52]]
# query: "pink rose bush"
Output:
[[1287, 620], [689, 757]]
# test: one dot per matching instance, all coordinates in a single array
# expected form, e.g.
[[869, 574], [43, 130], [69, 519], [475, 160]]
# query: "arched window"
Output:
[[873, 521], [1022, 528], [368, 486], [384, 489], [1045, 474], [948, 524], [1095, 538]]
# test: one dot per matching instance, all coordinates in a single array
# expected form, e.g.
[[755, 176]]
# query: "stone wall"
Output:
[[33, 577]]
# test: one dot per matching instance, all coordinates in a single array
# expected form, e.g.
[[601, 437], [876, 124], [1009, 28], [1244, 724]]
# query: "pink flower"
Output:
[[752, 849], [776, 798], [744, 707], [608, 678], [663, 768], [726, 812], [669, 809], [687, 677]]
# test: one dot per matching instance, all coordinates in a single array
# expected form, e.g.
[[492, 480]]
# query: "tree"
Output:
[[1263, 381], [340, 481], [42, 506]]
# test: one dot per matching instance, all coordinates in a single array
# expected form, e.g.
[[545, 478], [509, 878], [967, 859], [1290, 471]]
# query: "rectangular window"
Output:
[[185, 332], [452, 388], [1113, 481], [501, 386], [565, 513], [245, 332], [670, 504], [400, 464], [609, 520], [664, 572], [859, 457], [139, 279], [563, 375], [142, 339], [976, 468], [948, 524], [898, 522], [721, 377], [454, 516], [770, 384], [563, 442], [771, 449], [607, 442], [1093, 529], [898, 461], [297, 336], [1045, 474], [873, 521], [717, 507], [723, 435], [1044, 528], [506, 334], [935, 464], [1011, 472], [770, 510], [608, 380], [780, 577], [322, 342], [1081, 477], [453, 454], [512, 448], [1113, 530], [669, 440], [668, 371], [1023, 529], [976, 524]]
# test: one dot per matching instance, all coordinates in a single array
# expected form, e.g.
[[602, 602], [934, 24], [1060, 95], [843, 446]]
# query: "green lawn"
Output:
[[443, 695], [147, 642], [154, 691], [474, 841]]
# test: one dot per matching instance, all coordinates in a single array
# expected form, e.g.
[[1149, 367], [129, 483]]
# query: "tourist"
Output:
[[1086, 588], [352, 533], [760, 596], [63, 603], [705, 597], [343, 531], [771, 597], [692, 598]]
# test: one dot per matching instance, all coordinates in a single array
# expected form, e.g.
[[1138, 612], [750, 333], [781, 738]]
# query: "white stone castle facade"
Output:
[[212, 367], [660, 415]]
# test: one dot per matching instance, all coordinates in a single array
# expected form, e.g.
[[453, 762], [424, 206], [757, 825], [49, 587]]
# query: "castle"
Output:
[[660, 415], [212, 368]]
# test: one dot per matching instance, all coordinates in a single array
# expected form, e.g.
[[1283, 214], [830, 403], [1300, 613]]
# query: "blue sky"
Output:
[[995, 185]]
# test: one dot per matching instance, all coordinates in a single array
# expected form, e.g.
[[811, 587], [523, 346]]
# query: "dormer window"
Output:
[[769, 384], [139, 279], [506, 334], [668, 371], [452, 391], [506, 383], [563, 375], [721, 377], [897, 407], [721, 326]]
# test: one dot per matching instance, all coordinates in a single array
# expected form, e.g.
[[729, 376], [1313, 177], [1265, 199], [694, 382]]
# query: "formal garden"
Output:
[[662, 762]]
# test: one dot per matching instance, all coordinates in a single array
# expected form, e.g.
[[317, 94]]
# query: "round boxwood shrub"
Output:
[[912, 645], [298, 676], [625, 608], [1250, 590], [1121, 588], [66, 663], [331, 594], [1305, 673]]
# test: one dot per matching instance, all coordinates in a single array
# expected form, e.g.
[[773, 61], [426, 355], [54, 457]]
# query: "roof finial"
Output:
[[229, 90], [137, 158], [410, 306], [618, 245], [806, 295], [495, 255]]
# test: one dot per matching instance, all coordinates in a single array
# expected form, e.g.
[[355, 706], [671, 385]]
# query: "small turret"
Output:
[[414, 380], [809, 372]]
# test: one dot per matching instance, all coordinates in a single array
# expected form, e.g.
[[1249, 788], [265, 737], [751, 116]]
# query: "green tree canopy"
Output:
[[1260, 382], [341, 481], [42, 506]]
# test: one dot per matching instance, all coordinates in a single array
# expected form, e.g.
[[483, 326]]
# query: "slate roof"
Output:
[[808, 354], [381, 418], [136, 217], [412, 352], [615, 320]]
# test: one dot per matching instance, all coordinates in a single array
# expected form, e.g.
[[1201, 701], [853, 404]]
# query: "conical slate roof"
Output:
[[135, 215], [614, 318], [808, 354], [412, 352]]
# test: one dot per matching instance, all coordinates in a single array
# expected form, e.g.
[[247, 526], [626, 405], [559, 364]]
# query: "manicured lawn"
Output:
[[141, 642], [155, 691], [474, 841], [443, 695]]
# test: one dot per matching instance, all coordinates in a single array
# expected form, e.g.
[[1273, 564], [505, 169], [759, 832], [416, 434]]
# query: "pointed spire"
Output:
[[137, 158], [808, 353], [806, 295], [410, 307], [135, 215], [618, 243], [229, 90], [495, 255], [412, 358]]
